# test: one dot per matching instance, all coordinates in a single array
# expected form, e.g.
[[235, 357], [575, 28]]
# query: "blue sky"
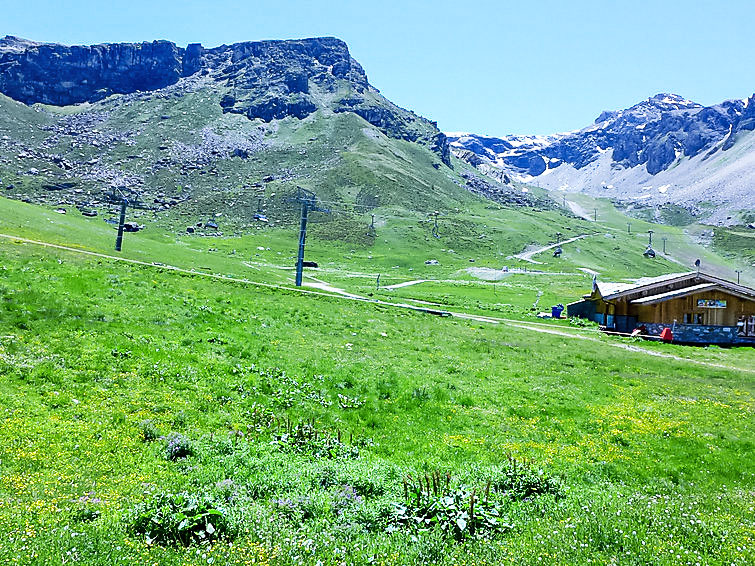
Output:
[[488, 67]]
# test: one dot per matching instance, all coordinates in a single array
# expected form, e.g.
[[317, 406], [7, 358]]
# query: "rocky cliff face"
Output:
[[660, 150], [60, 75], [264, 80]]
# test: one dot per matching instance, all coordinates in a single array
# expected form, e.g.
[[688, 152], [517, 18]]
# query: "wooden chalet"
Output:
[[697, 307]]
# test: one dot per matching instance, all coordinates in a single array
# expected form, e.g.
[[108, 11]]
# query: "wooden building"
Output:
[[698, 308]]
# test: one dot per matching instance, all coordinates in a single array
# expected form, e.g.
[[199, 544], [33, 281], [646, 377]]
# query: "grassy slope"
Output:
[[738, 244], [341, 157], [645, 447], [397, 252], [680, 240]]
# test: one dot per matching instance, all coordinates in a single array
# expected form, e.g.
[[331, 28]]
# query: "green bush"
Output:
[[431, 503], [180, 518], [178, 446], [148, 431], [520, 480], [305, 438]]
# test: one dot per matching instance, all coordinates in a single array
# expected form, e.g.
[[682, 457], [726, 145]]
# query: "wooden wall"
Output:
[[674, 309]]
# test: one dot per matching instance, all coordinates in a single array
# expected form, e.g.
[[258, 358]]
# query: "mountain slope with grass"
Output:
[[225, 130], [175, 418]]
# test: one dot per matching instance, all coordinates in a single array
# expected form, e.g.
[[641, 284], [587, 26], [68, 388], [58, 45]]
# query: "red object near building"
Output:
[[666, 335]]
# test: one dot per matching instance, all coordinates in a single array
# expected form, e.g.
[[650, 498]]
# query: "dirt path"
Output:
[[527, 256], [407, 283], [341, 294], [323, 286], [628, 347]]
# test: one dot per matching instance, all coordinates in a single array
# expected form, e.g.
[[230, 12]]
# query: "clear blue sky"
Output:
[[492, 67]]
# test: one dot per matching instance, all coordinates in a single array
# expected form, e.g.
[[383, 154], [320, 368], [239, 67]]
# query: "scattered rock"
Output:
[[59, 186]]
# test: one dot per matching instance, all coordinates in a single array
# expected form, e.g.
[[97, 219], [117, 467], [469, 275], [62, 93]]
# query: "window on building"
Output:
[[693, 318]]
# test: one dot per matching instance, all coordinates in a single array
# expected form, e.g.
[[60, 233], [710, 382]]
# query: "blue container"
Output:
[[557, 310]]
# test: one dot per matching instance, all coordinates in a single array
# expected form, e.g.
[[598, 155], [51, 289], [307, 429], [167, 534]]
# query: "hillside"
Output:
[[174, 417], [212, 131], [664, 150], [205, 139]]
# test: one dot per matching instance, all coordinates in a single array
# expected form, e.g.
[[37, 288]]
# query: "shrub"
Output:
[[520, 479], [148, 431], [346, 402], [431, 503], [178, 446], [345, 499], [296, 509], [181, 518], [421, 394], [87, 508], [306, 438], [227, 490], [368, 479]]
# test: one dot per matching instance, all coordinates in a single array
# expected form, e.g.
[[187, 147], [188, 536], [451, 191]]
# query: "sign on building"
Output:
[[711, 304]]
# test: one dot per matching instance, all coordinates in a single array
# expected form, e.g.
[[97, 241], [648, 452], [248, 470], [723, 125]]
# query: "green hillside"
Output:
[[142, 404], [182, 146]]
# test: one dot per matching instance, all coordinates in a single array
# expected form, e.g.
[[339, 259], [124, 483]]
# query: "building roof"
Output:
[[652, 299], [675, 294], [611, 291]]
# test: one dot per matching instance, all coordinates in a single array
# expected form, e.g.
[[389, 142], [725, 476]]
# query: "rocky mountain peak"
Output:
[[15, 44], [670, 101], [265, 80], [650, 109]]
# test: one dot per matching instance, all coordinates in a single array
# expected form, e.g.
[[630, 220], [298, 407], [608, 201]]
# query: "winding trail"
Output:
[[408, 283], [527, 256], [323, 286]]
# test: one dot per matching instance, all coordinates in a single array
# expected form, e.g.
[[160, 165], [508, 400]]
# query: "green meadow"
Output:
[[155, 416]]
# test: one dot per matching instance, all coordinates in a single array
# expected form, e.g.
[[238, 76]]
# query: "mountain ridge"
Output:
[[623, 153], [265, 80]]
